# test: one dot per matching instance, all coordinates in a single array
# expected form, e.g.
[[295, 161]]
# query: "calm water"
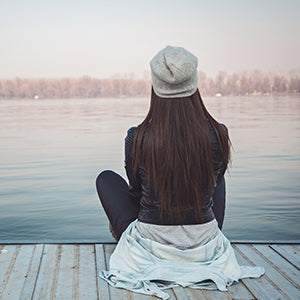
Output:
[[52, 150]]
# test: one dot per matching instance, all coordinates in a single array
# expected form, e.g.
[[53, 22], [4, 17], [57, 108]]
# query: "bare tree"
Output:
[[126, 85]]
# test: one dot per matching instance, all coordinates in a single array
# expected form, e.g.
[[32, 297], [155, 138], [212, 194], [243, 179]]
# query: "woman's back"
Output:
[[179, 154], [142, 189]]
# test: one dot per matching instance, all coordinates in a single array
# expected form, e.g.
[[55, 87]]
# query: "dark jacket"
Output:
[[142, 191]]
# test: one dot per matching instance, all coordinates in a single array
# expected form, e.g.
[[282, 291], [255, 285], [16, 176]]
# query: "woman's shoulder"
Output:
[[130, 134], [131, 130], [224, 126], [211, 127]]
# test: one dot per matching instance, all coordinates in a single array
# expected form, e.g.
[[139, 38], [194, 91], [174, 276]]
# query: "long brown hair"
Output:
[[173, 146]]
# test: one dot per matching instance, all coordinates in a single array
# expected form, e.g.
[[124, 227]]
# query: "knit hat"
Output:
[[174, 73]]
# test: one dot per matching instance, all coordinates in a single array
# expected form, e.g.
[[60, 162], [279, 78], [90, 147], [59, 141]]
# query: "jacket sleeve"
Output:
[[135, 189], [219, 166]]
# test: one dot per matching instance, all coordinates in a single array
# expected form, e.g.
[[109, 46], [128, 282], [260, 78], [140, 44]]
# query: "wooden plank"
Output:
[[46, 284], [261, 288], [6, 255], [16, 280], [266, 242], [295, 249], [239, 291], [32, 273], [180, 293], [137, 296], [65, 275], [8, 258], [53, 242], [19, 278], [290, 253], [282, 265], [76, 270], [171, 293], [102, 286], [207, 294], [87, 273], [279, 282], [115, 293]]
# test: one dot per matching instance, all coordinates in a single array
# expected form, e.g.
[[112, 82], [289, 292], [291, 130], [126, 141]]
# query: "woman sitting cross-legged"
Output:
[[168, 220]]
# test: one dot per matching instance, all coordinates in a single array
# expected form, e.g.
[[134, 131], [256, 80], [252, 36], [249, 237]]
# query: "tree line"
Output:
[[242, 83]]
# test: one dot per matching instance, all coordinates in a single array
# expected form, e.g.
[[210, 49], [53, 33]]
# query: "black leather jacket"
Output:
[[142, 192]]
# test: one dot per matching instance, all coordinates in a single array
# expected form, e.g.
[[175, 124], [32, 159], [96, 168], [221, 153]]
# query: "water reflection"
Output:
[[52, 150]]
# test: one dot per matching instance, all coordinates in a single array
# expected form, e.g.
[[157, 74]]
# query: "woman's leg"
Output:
[[113, 192], [219, 202]]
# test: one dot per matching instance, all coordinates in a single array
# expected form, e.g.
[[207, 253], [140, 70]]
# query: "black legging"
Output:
[[113, 192]]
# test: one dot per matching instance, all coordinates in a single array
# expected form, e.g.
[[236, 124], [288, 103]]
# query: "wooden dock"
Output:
[[69, 271]]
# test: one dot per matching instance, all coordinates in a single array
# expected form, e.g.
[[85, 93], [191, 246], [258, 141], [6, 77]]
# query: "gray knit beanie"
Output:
[[174, 73]]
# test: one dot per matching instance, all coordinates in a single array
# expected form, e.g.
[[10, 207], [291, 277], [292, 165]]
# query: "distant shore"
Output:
[[247, 83]]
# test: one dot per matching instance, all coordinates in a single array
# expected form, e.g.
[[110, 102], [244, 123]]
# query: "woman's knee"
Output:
[[103, 177]]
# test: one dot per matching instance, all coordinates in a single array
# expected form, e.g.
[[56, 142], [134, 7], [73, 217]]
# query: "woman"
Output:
[[167, 219]]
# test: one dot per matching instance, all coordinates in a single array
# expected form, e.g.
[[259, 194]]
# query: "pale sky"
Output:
[[99, 38]]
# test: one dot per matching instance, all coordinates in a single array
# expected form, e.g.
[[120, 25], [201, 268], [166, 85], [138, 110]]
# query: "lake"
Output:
[[52, 151]]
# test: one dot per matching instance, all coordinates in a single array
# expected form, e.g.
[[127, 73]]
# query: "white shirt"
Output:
[[179, 236]]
